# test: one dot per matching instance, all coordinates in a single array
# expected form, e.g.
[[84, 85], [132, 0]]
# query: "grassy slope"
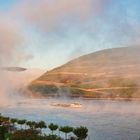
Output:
[[108, 73]]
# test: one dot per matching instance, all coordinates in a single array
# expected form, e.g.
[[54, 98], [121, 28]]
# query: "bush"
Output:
[[3, 131], [81, 132], [29, 134], [52, 137]]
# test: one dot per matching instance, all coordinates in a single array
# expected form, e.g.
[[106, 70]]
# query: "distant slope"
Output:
[[109, 73]]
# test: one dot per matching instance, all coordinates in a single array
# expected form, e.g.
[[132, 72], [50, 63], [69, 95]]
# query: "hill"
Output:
[[110, 73]]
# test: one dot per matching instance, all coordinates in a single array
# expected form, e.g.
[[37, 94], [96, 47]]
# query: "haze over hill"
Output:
[[20, 76], [109, 73]]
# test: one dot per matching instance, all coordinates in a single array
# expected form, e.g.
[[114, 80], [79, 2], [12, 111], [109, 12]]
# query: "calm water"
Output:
[[106, 120]]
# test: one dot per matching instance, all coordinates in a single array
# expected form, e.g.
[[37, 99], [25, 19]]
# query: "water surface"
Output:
[[106, 120]]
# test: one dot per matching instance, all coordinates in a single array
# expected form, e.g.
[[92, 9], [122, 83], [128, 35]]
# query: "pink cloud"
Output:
[[48, 14], [11, 42]]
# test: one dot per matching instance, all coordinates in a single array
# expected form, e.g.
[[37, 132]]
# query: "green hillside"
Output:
[[108, 73]]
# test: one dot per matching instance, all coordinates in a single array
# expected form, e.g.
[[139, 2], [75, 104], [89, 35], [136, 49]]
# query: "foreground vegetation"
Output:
[[15, 129]]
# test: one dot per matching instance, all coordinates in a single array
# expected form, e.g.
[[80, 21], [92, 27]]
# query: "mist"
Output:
[[32, 33], [98, 89], [12, 53]]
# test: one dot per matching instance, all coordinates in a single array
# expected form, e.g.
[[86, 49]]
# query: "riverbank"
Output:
[[83, 97]]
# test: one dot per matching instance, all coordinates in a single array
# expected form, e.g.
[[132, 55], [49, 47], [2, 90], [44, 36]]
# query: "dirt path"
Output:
[[100, 89]]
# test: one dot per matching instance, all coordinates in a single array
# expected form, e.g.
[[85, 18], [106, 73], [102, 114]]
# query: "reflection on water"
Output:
[[106, 120]]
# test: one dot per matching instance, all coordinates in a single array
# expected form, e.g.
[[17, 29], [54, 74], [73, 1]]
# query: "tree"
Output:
[[41, 125], [21, 122], [13, 121], [53, 127], [5, 120], [66, 130], [31, 124], [81, 132]]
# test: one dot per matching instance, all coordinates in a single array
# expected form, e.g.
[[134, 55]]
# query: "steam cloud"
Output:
[[11, 53], [46, 15]]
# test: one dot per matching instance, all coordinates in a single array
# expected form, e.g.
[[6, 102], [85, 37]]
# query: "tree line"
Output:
[[17, 129]]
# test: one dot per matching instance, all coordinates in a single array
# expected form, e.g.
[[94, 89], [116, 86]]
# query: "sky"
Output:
[[48, 33]]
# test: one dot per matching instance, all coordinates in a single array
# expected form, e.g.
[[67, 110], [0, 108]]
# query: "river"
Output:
[[105, 119]]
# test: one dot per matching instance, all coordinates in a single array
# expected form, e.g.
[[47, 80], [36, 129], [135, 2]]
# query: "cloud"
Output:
[[9, 39], [11, 42], [49, 15], [12, 52]]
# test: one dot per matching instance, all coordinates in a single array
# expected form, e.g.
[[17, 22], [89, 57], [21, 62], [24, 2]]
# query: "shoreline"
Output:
[[86, 97]]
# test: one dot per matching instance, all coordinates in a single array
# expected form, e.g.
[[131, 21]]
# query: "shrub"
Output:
[[81, 132]]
